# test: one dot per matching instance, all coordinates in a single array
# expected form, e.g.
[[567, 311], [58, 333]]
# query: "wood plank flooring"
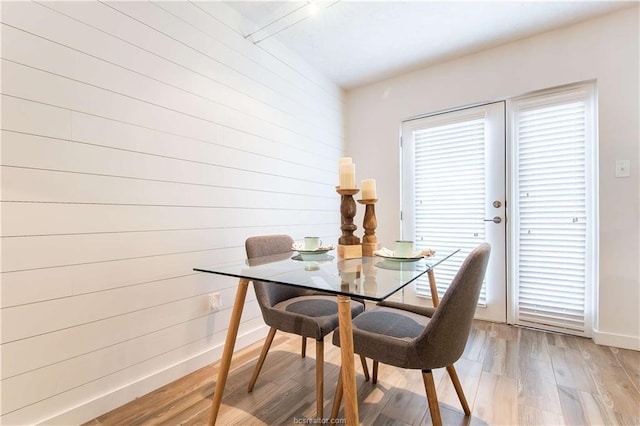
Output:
[[510, 375]]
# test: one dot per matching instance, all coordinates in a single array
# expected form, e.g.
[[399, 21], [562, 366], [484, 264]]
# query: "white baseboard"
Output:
[[89, 410], [616, 340]]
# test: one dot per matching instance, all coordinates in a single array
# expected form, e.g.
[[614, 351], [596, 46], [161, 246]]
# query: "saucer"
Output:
[[401, 259], [313, 256], [387, 254], [299, 247], [314, 252]]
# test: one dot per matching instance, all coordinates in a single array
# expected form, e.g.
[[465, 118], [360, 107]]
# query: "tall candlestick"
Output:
[[348, 244], [369, 189]]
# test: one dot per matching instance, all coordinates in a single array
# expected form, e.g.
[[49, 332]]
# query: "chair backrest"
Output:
[[269, 294], [445, 336], [267, 245]]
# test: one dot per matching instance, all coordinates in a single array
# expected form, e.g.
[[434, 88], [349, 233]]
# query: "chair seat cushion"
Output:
[[310, 316], [386, 335], [312, 306]]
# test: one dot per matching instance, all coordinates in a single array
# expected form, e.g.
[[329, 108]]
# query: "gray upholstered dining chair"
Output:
[[423, 338], [306, 313]]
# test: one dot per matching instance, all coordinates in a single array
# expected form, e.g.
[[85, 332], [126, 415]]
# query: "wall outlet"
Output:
[[623, 168], [215, 302]]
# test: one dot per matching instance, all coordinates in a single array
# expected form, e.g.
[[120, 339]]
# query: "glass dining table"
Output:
[[369, 278]]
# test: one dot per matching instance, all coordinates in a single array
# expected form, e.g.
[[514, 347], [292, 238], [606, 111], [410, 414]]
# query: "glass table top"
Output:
[[370, 278]]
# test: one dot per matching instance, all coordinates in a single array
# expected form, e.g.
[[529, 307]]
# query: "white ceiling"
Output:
[[359, 42]]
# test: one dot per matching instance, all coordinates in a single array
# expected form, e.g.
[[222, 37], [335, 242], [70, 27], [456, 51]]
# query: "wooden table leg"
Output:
[[229, 344], [434, 289], [348, 366]]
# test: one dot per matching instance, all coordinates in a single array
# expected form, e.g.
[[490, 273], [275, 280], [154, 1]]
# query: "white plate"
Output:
[[316, 251], [313, 256], [401, 259], [299, 247]]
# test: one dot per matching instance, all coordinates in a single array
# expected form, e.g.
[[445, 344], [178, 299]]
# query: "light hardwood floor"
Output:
[[510, 375]]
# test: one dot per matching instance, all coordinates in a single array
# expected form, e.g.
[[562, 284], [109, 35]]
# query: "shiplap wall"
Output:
[[141, 139]]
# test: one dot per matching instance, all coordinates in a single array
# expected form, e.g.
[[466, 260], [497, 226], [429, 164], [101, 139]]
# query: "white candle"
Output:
[[344, 160], [347, 176], [369, 189]]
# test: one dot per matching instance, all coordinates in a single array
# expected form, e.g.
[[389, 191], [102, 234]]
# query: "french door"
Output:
[[453, 183]]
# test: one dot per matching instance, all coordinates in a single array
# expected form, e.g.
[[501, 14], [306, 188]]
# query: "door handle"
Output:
[[496, 219]]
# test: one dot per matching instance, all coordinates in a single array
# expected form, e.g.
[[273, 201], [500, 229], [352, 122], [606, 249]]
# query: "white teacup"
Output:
[[312, 243], [403, 248]]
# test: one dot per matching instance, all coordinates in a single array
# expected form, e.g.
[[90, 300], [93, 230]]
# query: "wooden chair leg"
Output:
[[432, 398], [263, 356], [456, 384], [374, 380], [304, 347], [337, 397], [365, 369], [319, 377]]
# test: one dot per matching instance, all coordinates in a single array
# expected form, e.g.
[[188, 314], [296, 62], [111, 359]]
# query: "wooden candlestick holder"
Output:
[[348, 244], [369, 241]]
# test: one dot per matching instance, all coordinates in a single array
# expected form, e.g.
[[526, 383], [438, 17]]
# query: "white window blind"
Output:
[[552, 145], [449, 193]]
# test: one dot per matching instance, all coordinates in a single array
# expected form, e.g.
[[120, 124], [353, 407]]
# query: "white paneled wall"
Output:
[[139, 140]]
